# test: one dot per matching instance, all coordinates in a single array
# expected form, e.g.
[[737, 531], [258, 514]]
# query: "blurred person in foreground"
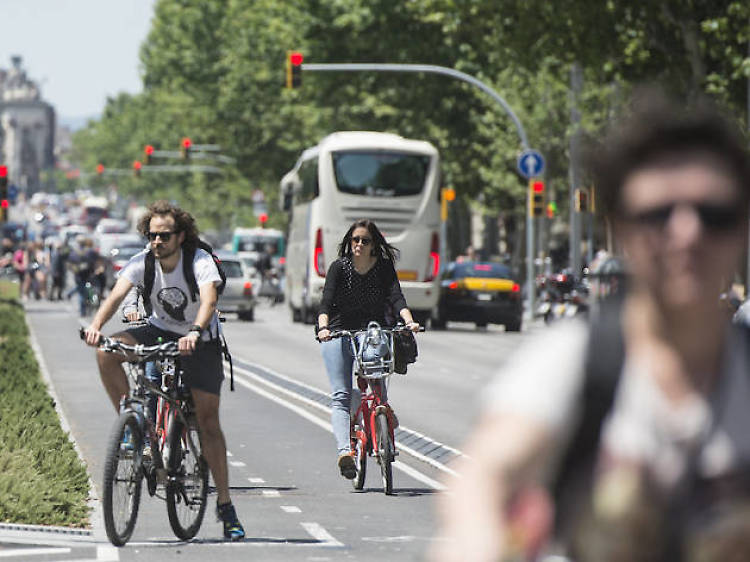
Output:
[[627, 440]]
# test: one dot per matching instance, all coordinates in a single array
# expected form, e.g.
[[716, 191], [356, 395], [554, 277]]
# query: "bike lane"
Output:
[[285, 485]]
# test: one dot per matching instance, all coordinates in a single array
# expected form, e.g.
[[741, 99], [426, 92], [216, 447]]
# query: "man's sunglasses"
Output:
[[714, 218], [364, 241], [165, 236]]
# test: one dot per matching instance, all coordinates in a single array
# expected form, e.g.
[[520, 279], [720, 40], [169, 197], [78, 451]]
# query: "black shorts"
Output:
[[203, 369]]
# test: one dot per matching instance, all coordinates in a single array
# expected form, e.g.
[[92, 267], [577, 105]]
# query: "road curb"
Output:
[[96, 517]]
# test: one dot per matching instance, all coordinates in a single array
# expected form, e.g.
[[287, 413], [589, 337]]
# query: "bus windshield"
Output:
[[380, 173]]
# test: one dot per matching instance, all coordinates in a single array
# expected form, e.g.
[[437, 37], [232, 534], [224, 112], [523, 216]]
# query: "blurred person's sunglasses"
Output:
[[363, 241], [165, 236], [714, 218]]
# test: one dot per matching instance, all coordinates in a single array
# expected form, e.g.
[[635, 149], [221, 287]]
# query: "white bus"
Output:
[[360, 174]]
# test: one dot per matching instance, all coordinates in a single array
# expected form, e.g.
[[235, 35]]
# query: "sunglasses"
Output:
[[165, 236], [714, 218], [364, 241]]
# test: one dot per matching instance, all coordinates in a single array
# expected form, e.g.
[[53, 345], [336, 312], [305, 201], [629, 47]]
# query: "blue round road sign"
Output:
[[530, 163]]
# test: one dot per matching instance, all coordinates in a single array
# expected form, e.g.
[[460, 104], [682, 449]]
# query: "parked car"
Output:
[[239, 292], [479, 292], [116, 259]]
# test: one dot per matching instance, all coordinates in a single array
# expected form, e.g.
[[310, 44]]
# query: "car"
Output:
[[116, 259], [239, 293], [482, 292]]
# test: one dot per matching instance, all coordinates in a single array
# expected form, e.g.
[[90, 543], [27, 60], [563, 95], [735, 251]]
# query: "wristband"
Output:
[[196, 328]]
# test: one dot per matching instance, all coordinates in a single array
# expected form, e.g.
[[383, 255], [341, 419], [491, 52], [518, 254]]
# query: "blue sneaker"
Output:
[[232, 527], [127, 439]]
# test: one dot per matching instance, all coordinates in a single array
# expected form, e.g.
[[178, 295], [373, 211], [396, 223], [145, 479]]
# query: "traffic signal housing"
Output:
[[99, 169], [294, 69], [185, 145], [582, 200], [137, 168], [4, 203], [536, 198], [148, 151]]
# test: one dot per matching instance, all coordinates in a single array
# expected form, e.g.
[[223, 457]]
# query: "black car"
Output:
[[479, 292]]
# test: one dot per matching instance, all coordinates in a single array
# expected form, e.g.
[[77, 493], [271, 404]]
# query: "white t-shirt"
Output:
[[173, 307], [544, 379]]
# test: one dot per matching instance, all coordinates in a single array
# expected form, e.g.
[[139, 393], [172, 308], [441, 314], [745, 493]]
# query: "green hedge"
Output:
[[42, 480]]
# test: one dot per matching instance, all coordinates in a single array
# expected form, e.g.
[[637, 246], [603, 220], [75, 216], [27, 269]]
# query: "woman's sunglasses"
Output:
[[363, 241], [165, 236]]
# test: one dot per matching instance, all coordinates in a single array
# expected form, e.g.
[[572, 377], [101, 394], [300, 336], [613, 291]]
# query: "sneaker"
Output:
[[232, 527], [127, 439], [147, 455], [346, 466]]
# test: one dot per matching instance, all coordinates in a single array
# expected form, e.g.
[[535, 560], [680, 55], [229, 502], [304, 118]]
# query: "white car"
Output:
[[239, 293]]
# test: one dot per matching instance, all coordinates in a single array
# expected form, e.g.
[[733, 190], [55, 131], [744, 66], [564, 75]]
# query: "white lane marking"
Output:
[[327, 426], [107, 553], [256, 480], [32, 552], [318, 532], [291, 509], [237, 463], [327, 410], [229, 454], [271, 493]]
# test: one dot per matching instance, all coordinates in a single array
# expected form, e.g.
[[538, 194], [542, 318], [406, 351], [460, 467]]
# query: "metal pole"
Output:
[[576, 85], [530, 287]]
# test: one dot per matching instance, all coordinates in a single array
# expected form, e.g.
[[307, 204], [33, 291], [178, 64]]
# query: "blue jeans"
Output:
[[339, 362]]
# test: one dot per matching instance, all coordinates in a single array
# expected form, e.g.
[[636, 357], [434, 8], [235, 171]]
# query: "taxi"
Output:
[[479, 292]]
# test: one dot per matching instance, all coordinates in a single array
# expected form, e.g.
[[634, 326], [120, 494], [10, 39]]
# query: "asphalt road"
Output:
[[285, 485]]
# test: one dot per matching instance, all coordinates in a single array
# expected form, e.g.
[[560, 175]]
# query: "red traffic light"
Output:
[[4, 204], [149, 150], [538, 187], [186, 142], [137, 165], [263, 217], [3, 171], [100, 169], [296, 58]]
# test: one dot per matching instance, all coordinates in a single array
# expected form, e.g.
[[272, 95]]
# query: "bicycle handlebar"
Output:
[[166, 349], [395, 329]]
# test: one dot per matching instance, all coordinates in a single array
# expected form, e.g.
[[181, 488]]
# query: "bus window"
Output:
[[308, 175], [380, 174]]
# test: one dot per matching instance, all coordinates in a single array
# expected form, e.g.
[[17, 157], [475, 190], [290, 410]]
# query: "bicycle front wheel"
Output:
[[123, 474], [360, 461], [385, 452], [188, 482]]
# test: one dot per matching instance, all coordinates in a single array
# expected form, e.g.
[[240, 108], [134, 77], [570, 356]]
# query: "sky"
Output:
[[78, 51]]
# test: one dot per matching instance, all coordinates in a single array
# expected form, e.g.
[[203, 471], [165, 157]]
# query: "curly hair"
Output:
[[659, 130], [184, 221], [380, 247]]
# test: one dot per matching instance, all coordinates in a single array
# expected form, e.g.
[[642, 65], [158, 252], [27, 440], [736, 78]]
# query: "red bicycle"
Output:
[[373, 420]]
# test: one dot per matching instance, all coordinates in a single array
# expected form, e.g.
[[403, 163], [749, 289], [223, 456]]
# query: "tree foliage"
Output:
[[214, 69]]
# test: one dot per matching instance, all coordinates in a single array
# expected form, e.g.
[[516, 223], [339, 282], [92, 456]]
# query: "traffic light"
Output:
[[4, 204], [185, 145], [137, 168], [294, 69], [99, 169], [447, 194], [551, 210], [148, 150], [582, 200], [263, 218], [536, 198]]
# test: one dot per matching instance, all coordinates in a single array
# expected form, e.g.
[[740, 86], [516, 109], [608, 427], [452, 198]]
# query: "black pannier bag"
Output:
[[404, 351]]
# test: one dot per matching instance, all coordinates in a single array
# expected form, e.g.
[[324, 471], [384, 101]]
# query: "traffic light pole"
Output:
[[445, 71]]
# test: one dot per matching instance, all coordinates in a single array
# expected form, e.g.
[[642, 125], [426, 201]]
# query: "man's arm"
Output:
[[107, 309], [208, 297], [503, 456]]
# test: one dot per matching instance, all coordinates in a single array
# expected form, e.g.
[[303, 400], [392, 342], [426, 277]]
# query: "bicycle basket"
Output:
[[374, 353]]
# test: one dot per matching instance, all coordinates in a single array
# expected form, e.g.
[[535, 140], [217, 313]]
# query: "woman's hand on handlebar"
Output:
[[413, 326], [324, 334]]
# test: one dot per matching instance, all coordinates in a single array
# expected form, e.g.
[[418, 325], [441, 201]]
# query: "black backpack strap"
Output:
[[148, 282], [188, 256], [605, 357], [227, 358]]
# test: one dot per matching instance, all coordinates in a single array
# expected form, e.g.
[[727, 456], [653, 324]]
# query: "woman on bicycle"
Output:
[[361, 286]]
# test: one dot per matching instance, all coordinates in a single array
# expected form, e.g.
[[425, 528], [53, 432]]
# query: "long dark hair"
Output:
[[380, 247]]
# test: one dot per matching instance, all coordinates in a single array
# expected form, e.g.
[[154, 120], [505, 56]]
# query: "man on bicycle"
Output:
[[174, 316]]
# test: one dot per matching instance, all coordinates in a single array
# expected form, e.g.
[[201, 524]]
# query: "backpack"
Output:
[[188, 255]]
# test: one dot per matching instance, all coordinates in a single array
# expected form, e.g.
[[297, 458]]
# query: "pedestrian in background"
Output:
[[627, 440]]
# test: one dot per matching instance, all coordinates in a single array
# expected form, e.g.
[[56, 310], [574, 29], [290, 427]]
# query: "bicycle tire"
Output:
[[123, 479], [187, 490], [360, 462], [385, 452]]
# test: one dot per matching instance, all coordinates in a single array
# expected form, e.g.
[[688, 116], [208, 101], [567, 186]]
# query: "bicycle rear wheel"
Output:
[[188, 482], [360, 461], [385, 452], [123, 474]]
